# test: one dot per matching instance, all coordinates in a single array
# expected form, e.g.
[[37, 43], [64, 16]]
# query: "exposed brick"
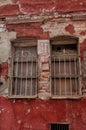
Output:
[[45, 66], [44, 78]]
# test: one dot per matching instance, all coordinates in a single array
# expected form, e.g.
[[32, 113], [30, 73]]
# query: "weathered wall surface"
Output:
[[16, 7], [39, 114], [42, 31], [5, 52], [42, 20]]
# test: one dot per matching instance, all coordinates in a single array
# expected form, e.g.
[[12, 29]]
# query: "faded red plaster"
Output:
[[83, 33], [48, 6], [4, 69], [0, 69], [31, 30], [34, 1], [71, 5], [7, 115], [82, 48], [37, 8], [10, 9], [38, 114], [70, 29]]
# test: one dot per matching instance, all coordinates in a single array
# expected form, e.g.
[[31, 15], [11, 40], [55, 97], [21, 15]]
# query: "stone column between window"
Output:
[[44, 69]]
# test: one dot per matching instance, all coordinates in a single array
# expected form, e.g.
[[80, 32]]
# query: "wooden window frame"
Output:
[[68, 40], [21, 42]]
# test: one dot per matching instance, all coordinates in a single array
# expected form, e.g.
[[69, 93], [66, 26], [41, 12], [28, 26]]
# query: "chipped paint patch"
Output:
[[83, 33], [5, 45], [28, 110], [19, 121], [70, 29], [5, 2]]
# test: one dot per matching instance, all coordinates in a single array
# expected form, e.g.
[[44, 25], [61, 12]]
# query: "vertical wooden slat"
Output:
[[65, 90], [79, 73], [11, 78], [26, 75], [70, 73], [31, 77], [16, 75], [21, 72], [59, 76], [75, 75], [36, 76], [54, 77]]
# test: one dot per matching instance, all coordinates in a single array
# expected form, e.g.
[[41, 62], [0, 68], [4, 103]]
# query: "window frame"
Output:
[[62, 40], [21, 42]]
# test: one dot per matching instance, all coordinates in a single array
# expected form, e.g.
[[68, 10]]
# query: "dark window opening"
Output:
[[67, 49], [59, 126]]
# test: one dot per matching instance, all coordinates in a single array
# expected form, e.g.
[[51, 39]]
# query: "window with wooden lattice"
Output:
[[24, 72], [65, 67]]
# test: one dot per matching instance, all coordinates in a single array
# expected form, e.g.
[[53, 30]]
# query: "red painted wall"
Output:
[[28, 29], [4, 69], [17, 7], [38, 114]]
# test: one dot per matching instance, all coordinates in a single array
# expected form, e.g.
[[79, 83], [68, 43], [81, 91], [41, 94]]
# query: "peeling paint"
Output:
[[70, 29], [5, 2], [42, 20], [83, 33]]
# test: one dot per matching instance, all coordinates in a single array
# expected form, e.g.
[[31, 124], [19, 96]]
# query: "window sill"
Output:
[[67, 97], [22, 97]]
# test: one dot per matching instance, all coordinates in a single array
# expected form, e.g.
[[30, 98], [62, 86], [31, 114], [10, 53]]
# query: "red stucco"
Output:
[[31, 30], [38, 114], [4, 69], [83, 47], [70, 29], [38, 6], [83, 33], [9, 10]]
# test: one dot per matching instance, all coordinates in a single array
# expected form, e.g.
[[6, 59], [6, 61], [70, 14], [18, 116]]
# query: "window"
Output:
[[83, 65], [65, 67], [23, 76], [59, 126]]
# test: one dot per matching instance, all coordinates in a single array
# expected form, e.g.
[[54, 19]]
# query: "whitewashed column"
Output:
[[44, 69]]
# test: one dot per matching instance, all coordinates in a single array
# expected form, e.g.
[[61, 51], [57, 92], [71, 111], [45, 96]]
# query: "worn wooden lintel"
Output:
[[45, 18]]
